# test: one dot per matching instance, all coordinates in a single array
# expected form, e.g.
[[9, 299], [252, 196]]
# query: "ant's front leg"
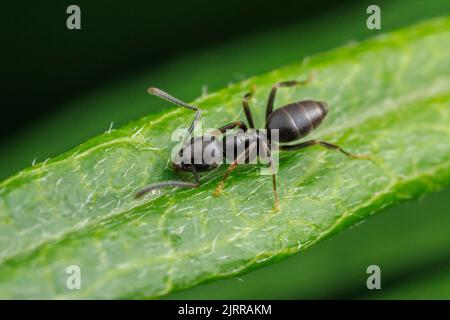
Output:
[[233, 165], [324, 144]]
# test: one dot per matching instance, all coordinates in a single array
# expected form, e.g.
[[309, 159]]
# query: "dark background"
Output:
[[61, 87], [47, 65]]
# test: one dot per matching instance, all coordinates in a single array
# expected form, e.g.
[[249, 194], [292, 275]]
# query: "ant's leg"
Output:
[[195, 174], [233, 125], [274, 186], [174, 183], [324, 144], [283, 84], [248, 112], [164, 95], [230, 169], [274, 181]]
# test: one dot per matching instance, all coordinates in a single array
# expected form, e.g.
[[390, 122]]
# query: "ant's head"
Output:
[[203, 153]]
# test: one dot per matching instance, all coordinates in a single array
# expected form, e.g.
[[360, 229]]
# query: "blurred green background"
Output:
[[53, 76]]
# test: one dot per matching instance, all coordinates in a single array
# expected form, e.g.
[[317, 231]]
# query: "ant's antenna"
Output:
[[172, 183], [165, 184], [164, 95]]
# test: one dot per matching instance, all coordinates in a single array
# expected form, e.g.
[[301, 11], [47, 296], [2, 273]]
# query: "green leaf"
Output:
[[408, 241], [388, 96]]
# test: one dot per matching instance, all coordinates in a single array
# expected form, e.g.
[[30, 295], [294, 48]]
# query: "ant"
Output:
[[293, 121]]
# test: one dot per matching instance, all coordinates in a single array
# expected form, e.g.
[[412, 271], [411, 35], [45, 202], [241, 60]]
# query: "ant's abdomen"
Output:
[[297, 119]]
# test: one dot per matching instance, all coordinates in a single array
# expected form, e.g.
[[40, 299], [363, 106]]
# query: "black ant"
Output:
[[293, 121]]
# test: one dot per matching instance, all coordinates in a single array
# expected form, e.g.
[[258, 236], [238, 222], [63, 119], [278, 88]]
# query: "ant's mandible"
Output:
[[293, 121]]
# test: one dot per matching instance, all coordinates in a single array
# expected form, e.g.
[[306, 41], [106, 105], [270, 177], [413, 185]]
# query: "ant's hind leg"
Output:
[[274, 180], [248, 112], [324, 144], [274, 188], [283, 84]]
